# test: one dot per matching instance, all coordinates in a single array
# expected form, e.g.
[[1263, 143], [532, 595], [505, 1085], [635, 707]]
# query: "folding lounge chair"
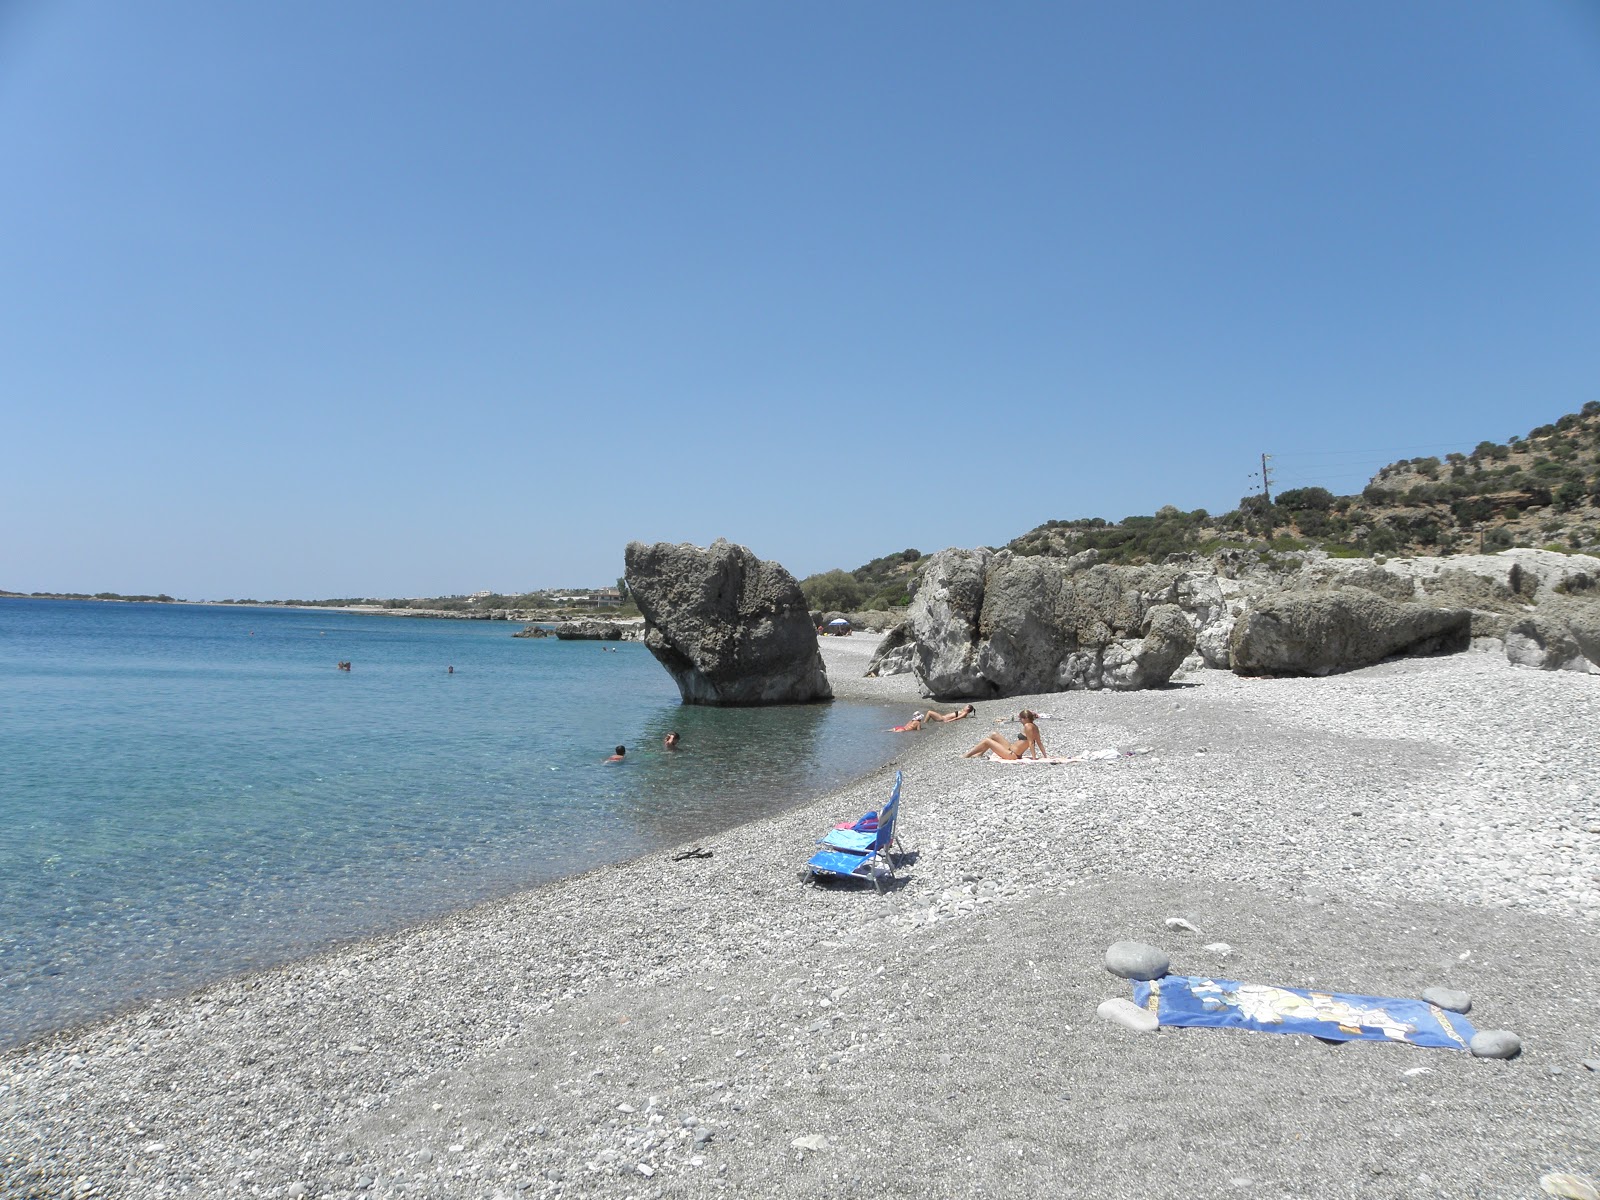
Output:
[[859, 840], [864, 855]]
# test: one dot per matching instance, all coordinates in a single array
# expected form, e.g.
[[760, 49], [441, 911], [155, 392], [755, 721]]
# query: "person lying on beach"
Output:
[[910, 726], [622, 752], [968, 711]]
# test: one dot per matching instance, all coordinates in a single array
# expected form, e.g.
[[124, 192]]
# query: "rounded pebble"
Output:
[[1495, 1043], [1448, 999], [1125, 1012], [1569, 1187], [1135, 960]]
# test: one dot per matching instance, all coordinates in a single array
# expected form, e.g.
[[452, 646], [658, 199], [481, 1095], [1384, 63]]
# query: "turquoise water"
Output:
[[190, 791]]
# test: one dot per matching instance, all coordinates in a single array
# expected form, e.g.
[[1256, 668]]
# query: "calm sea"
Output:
[[190, 791]]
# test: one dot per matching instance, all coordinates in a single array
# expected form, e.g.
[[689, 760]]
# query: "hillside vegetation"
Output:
[[1540, 490]]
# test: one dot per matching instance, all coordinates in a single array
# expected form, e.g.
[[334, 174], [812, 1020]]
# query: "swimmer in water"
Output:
[[671, 740], [622, 753]]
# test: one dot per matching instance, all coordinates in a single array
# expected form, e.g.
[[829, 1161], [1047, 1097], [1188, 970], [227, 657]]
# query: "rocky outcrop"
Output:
[[1294, 633], [990, 624], [895, 655], [987, 623], [534, 631], [590, 631], [729, 628]]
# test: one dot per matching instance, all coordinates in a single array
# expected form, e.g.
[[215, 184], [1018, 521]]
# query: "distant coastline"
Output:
[[378, 609]]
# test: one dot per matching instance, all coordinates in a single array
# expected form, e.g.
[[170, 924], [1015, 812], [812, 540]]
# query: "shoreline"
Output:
[[268, 960], [1380, 831]]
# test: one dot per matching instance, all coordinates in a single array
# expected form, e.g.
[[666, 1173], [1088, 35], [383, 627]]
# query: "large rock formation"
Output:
[[990, 624], [985, 623], [1340, 630], [589, 631], [729, 628]]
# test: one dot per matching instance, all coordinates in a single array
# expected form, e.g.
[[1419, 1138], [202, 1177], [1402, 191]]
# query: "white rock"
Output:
[[1124, 1012]]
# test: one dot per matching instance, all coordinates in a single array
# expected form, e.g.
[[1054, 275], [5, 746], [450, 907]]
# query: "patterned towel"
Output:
[[1226, 1003]]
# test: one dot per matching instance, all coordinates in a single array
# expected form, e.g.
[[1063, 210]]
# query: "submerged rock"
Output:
[[729, 628]]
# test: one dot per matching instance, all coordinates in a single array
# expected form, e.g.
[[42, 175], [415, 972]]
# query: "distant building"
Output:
[[587, 597]]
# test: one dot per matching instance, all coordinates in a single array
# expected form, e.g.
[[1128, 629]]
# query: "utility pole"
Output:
[[1266, 478]]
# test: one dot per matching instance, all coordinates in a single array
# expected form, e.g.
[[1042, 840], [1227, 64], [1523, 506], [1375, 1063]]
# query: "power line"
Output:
[[1375, 450]]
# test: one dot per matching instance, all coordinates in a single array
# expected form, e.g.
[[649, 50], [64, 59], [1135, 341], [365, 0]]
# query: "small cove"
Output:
[[191, 791]]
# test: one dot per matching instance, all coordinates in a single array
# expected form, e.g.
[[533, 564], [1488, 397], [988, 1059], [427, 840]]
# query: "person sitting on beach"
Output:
[[671, 740], [1012, 751], [968, 711], [910, 726], [1002, 748], [622, 752], [1030, 731]]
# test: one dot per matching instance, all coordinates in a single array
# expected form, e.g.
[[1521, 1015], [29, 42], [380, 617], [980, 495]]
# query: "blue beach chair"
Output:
[[860, 854], [860, 837]]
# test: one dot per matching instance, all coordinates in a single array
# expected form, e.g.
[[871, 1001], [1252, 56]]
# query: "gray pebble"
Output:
[[424, 1156], [1592, 1064], [1495, 1043], [296, 1189], [703, 1135], [1135, 960], [1448, 999]]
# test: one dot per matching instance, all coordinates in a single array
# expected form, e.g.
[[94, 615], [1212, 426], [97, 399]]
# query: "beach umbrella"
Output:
[[839, 621]]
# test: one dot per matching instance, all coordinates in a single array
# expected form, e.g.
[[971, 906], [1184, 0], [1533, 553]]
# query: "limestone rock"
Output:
[[1559, 636], [987, 624], [589, 631], [1339, 630], [1448, 999], [895, 655], [1495, 1043], [1124, 1012], [944, 619], [730, 628], [1135, 960]]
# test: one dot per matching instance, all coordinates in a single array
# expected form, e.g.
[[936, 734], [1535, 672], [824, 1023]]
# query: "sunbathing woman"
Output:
[[910, 726], [1030, 731], [968, 711], [1010, 751]]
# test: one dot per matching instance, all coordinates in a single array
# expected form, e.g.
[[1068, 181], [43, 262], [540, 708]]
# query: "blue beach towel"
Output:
[[1337, 1016]]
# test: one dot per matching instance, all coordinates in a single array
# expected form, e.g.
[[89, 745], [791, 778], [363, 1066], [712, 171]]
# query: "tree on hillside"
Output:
[[833, 590]]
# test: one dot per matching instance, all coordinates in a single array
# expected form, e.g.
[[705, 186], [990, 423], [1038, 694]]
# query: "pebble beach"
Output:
[[713, 1025]]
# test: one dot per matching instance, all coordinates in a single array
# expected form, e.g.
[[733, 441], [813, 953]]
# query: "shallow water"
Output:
[[190, 791]]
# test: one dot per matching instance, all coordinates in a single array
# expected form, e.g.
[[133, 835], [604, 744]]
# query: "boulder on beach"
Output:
[[731, 629], [895, 655], [1341, 629], [990, 624]]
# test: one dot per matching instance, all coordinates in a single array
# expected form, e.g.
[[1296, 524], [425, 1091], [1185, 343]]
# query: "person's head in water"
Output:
[[671, 740], [621, 750], [619, 755]]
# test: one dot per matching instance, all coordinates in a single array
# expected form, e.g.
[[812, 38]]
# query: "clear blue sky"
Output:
[[305, 299]]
